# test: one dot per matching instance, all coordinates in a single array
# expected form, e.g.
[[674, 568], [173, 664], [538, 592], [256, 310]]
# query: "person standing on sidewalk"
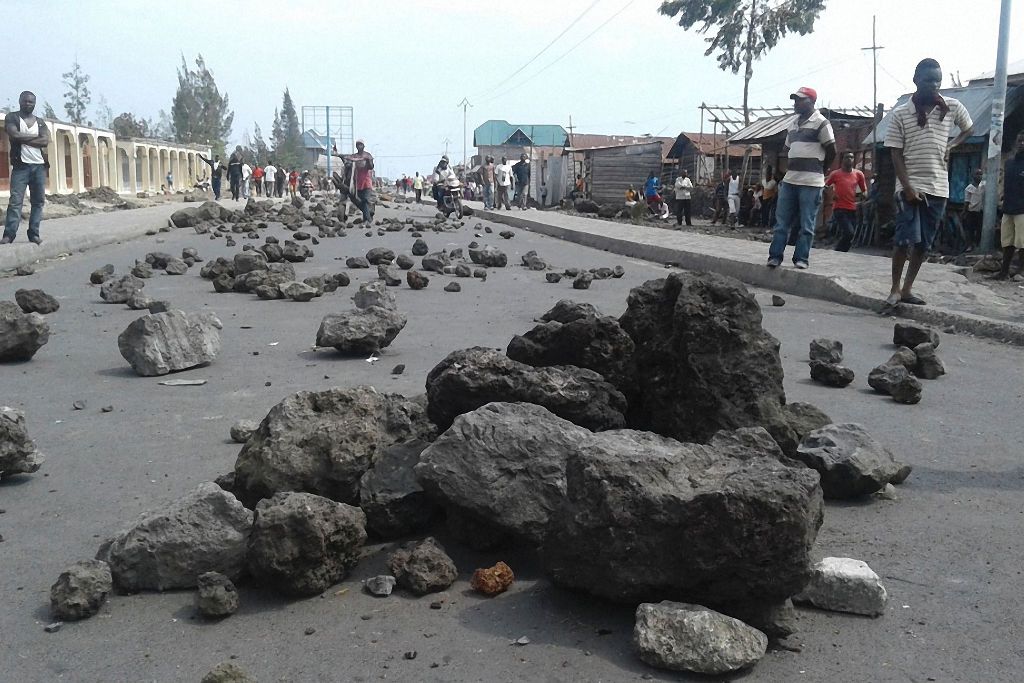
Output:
[[974, 204], [29, 137], [1011, 230], [216, 169], [521, 171], [683, 188], [810, 148], [417, 186], [487, 178], [848, 183], [918, 138], [503, 181]]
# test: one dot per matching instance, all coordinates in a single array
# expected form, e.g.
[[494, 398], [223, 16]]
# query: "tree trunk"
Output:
[[749, 71]]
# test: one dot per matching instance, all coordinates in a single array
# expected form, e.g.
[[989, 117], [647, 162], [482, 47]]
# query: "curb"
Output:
[[791, 281]]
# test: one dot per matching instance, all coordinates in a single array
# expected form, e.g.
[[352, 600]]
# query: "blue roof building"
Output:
[[497, 133]]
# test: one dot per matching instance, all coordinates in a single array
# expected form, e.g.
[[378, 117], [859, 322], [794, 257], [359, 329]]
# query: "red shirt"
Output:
[[364, 174], [846, 184], [293, 178], [257, 173]]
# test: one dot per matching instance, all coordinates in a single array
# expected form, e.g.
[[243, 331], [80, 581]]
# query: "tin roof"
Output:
[[495, 133]]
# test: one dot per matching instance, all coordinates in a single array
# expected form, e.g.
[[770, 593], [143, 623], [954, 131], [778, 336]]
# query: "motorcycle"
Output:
[[450, 200]]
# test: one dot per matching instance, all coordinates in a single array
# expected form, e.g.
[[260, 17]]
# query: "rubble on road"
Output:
[[831, 374], [851, 462], [217, 596], [159, 343], [36, 301], [21, 334], [18, 452], [80, 590], [492, 580], [826, 351], [422, 567], [843, 584]]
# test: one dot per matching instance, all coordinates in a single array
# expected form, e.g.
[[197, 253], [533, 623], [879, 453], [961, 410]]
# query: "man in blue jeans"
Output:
[[29, 138], [810, 149]]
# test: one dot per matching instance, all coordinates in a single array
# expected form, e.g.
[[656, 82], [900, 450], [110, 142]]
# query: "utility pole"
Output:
[[875, 47], [446, 141], [465, 105], [995, 134]]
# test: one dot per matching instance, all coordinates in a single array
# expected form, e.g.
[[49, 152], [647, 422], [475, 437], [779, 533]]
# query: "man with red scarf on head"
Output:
[[918, 137]]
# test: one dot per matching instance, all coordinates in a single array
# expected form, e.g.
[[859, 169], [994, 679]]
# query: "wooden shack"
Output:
[[611, 170]]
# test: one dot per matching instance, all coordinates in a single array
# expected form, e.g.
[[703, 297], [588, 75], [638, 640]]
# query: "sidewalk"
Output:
[[851, 279]]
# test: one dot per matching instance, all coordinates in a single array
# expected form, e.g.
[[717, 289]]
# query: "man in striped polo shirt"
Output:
[[918, 137], [810, 148]]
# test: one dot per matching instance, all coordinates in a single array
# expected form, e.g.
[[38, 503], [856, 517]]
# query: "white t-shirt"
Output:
[[246, 171], [734, 185], [29, 154], [683, 187], [269, 172], [503, 174], [975, 196]]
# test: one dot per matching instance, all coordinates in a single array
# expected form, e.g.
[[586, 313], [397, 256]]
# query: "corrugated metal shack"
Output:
[[611, 170]]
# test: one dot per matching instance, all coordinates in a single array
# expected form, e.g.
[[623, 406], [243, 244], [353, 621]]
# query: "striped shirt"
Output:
[[924, 149], [805, 145]]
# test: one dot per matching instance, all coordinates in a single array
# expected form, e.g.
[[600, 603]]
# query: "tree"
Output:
[[259, 145], [48, 111], [276, 133], [744, 29], [164, 128], [199, 112], [125, 125], [77, 96], [287, 137], [104, 114]]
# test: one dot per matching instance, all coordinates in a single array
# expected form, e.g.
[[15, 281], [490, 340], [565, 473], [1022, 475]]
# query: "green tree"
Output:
[[125, 125], [48, 111], [288, 148], [276, 134], [744, 30], [199, 112], [104, 114], [259, 145], [77, 96]]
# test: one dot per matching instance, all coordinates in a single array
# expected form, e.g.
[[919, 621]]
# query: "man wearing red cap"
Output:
[[810, 149]]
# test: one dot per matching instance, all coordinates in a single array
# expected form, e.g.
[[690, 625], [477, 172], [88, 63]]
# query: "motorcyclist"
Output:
[[444, 177]]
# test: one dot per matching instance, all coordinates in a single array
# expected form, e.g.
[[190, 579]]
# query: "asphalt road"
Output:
[[948, 548]]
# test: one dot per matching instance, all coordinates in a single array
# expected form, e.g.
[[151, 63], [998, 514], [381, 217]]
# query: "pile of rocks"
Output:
[[826, 356], [914, 359]]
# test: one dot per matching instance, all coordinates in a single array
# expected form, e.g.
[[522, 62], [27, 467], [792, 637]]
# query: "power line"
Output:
[[564, 54], [543, 50]]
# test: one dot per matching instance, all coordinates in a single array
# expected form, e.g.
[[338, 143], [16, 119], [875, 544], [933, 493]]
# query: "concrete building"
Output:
[[82, 158]]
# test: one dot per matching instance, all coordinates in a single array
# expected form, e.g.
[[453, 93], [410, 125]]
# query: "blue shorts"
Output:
[[917, 224]]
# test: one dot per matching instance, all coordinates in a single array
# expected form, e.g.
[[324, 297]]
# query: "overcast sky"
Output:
[[404, 65]]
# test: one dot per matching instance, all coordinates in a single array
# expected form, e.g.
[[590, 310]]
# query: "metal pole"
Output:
[[875, 47], [995, 134], [327, 144]]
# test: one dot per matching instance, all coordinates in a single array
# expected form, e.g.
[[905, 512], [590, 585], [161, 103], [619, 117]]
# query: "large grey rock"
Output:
[[301, 543], [686, 637], [374, 293], [423, 567], [186, 218], [913, 334], [800, 420], [248, 261], [598, 344], [470, 378], [647, 517], [489, 257], [830, 374], [160, 343], [36, 301], [169, 547], [850, 461], [420, 248], [436, 262], [80, 590], [928, 365], [826, 351], [18, 452], [297, 291], [323, 442], [843, 584], [567, 310], [704, 363], [378, 255], [361, 331], [394, 502], [21, 334], [217, 596], [120, 290], [895, 380]]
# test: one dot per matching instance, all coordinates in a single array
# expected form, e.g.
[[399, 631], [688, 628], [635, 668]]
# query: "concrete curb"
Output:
[[789, 280]]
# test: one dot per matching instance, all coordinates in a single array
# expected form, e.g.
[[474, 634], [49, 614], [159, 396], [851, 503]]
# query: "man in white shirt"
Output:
[[503, 181], [734, 197], [683, 187], [29, 137], [974, 204], [246, 174], [269, 175]]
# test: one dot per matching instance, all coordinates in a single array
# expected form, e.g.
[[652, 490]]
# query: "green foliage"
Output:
[[125, 125], [199, 113], [260, 149], [104, 114], [48, 111], [288, 150], [77, 96]]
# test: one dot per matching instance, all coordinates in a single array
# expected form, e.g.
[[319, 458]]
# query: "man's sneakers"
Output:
[[35, 240], [774, 262], [6, 240], [801, 265]]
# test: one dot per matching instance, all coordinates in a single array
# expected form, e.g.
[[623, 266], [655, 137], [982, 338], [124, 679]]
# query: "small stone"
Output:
[[778, 300], [826, 351], [227, 672], [843, 584], [492, 580], [404, 261], [78, 405], [217, 596], [928, 365], [26, 270], [521, 641], [912, 334], [582, 281], [54, 627], [416, 279], [310, 631], [107, 409], [423, 567], [830, 374], [480, 273], [410, 655], [380, 586], [453, 287], [159, 306], [101, 275], [357, 262], [685, 637], [398, 369], [80, 590], [36, 301], [243, 429]]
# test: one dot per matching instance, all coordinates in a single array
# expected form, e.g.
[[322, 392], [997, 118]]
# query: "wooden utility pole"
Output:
[[465, 105], [875, 47]]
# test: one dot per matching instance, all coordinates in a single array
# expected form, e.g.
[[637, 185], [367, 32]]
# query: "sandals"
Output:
[[912, 299]]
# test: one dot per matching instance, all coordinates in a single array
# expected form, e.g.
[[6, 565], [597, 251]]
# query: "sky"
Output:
[[613, 66]]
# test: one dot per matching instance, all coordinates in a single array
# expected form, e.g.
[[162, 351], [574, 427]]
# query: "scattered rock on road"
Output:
[[217, 596], [101, 275], [686, 637], [21, 334], [361, 331], [160, 343], [394, 502], [831, 374], [380, 586], [492, 580], [243, 429], [896, 381], [778, 300], [36, 301], [80, 590], [826, 350], [423, 567], [927, 365], [227, 672], [18, 452], [913, 334], [118, 291], [843, 584], [850, 461]]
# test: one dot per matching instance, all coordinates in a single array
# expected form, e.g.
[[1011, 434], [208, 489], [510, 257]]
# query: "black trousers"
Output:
[[236, 181], [683, 211]]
